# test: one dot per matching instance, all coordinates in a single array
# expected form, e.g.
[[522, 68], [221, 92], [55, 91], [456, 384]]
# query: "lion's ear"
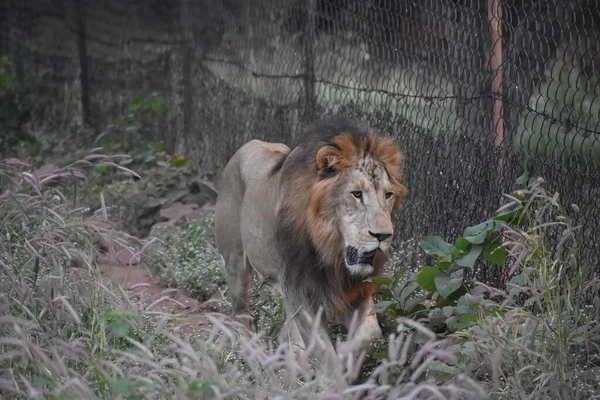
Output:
[[328, 158]]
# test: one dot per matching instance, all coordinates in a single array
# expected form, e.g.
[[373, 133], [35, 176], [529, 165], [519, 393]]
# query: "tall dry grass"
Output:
[[64, 334], [538, 338]]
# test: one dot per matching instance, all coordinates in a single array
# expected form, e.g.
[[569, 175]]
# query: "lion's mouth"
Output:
[[353, 257]]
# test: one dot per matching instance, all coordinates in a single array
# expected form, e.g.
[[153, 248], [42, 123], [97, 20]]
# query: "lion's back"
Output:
[[246, 205], [258, 158]]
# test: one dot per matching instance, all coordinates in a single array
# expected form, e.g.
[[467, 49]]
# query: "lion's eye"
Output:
[[389, 195], [357, 194]]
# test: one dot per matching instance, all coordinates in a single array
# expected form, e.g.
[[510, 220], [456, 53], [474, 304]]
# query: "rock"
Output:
[[145, 213], [176, 211], [199, 199], [205, 188], [173, 196]]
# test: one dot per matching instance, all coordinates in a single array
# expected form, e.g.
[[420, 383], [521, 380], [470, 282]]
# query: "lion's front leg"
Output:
[[363, 328], [307, 329]]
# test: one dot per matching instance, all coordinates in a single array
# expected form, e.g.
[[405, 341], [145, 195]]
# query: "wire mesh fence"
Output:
[[468, 88]]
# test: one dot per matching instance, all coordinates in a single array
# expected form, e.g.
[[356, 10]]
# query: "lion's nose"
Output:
[[381, 236]]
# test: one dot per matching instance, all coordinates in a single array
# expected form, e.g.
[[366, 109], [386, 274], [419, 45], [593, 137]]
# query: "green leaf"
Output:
[[453, 298], [148, 157], [443, 266], [381, 355], [477, 234], [448, 311], [518, 280], [6, 79], [136, 103], [444, 259], [464, 309], [179, 161], [112, 313], [522, 180], [407, 290], [450, 321], [426, 276], [446, 284], [155, 105], [4, 59], [381, 306], [436, 312], [125, 161], [410, 304], [440, 366], [102, 169], [122, 386], [200, 388], [468, 318], [469, 259], [459, 326], [120, 329], [508, 217], [462, 243], [495, 253], [40, 381], [380, 280], [435, 245]]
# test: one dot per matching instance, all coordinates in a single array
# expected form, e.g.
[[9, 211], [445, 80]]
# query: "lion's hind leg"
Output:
[[239, 281]]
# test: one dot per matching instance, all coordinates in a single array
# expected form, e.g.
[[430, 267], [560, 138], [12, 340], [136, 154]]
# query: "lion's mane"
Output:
[[307, 232]]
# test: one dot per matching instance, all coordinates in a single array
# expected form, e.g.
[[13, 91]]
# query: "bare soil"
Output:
[[125, 269]]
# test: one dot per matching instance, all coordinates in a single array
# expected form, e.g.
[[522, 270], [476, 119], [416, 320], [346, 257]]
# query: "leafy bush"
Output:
[[539, 337], [188, 260], [6, 72], [138, 122]]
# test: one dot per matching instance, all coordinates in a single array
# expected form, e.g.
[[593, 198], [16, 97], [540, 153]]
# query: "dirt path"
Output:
[[122, 268], [168, 198]]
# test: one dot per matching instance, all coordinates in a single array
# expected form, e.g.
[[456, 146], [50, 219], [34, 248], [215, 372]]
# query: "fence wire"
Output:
[[468, 88]]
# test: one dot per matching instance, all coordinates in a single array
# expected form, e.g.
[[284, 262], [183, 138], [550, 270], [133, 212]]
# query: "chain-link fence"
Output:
[[469, 88]]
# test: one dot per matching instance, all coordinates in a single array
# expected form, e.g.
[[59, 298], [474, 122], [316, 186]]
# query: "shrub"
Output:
[[539, 337], [186, 259], [542, 338]]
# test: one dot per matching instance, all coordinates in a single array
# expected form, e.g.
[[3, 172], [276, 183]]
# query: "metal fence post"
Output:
[[497, 120], [83, 63], [309, 61], [495, 19], [188, 59]]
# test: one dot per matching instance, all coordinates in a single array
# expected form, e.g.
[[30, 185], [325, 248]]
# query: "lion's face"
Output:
[[367, 198], [353, 204]]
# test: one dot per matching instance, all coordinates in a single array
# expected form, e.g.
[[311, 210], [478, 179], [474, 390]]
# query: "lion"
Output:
[[317, 221]]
